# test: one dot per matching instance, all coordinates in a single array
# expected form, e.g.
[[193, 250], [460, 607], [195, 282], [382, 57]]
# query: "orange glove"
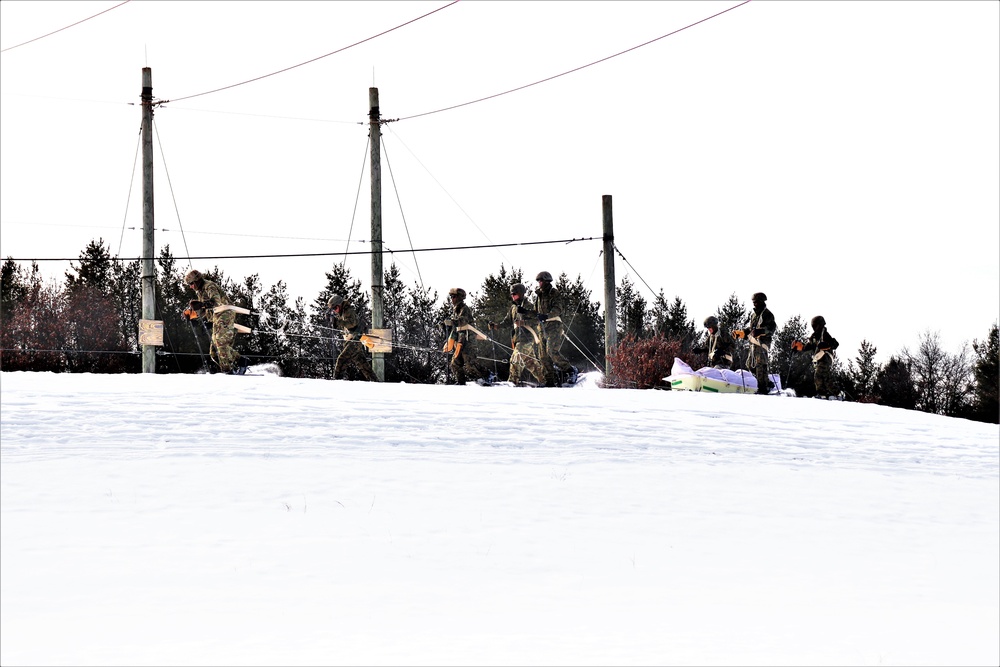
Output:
[[797, 345], [739, 333], [458, 351], [449, 345]]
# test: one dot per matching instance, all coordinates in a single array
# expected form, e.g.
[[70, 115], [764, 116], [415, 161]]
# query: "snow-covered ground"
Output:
[[167, 519]]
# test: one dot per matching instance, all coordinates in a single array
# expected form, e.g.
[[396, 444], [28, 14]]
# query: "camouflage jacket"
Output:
[[211, 295], [720, 345], [763, 320], [823, 343], [550, 304], [348, 321], [460, 317], [525, 323]]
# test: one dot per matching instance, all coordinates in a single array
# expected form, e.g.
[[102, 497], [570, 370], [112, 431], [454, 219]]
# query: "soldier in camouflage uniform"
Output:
[[762, 328], [549, 304], [208, 296], [719, 347], [342, 315], [460, 343], [525, 339], [823, 344]]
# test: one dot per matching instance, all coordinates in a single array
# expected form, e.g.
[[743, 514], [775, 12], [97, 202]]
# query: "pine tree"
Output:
[[894, 384], [584, 325], [862, 375], [986, 370], [795, 368], [633, 320], [733, 315]]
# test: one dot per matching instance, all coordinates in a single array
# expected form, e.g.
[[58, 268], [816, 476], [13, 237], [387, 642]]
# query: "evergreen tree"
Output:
[[894, 384], [583, 324], [986, 370], [277, 320], [670, 320], [15, 286], [795, 368], [633, 320], [861, 375], [733, 315], [94, 330]]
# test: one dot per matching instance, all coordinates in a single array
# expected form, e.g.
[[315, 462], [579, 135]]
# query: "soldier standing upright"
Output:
[[823, 344], [762, 328], [549, 304], [460, 342], [341, 314], [525, 338], [209, 296]]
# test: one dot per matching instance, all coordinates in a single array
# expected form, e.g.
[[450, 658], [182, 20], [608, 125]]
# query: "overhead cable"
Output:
[[575, 69], [280, 71], [61, 29], [328, 254]]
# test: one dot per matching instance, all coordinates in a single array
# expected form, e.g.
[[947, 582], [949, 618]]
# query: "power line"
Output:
[[61, 29], [168, 229], [367, 39], [575, 69], [327, 254]]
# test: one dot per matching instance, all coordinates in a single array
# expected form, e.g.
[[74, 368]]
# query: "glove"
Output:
[[739, 333], [542, 317], [493, 325], [522, 310], [448, 323], [797, 345], [198, 305]]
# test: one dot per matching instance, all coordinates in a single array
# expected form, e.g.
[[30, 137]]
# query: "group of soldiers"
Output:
[[536, 342], [720, 347], [537, 338]]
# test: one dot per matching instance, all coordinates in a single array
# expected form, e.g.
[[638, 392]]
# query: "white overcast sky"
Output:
[[844, 158]]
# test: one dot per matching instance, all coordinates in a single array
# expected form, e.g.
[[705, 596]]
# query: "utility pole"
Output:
[[148, 274], [610, 306], [375, 134]]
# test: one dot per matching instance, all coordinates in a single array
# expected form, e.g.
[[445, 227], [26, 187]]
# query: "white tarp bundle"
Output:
[[712, 379]]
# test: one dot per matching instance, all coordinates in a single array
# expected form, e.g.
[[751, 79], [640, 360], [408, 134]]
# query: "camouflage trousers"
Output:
[[823, 376], [353, 357], [757, 362], [464, 366], [525, 356], [221, 350], [552, 358]]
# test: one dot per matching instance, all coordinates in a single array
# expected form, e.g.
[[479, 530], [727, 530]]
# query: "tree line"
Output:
[[88, 322]]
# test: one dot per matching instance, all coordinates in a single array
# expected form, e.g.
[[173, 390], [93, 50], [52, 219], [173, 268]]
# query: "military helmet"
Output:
[[518, 288], [759, 296], [457, 291], [334, 301], [544, 275], [818, 322], [193, 276], [711, 322]]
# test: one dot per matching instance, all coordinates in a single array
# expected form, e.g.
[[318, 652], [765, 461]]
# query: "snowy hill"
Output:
[[151, 519]]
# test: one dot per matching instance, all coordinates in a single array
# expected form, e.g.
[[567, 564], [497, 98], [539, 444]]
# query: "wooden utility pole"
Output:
[[375, 135], [148, 274], [610, 306]]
